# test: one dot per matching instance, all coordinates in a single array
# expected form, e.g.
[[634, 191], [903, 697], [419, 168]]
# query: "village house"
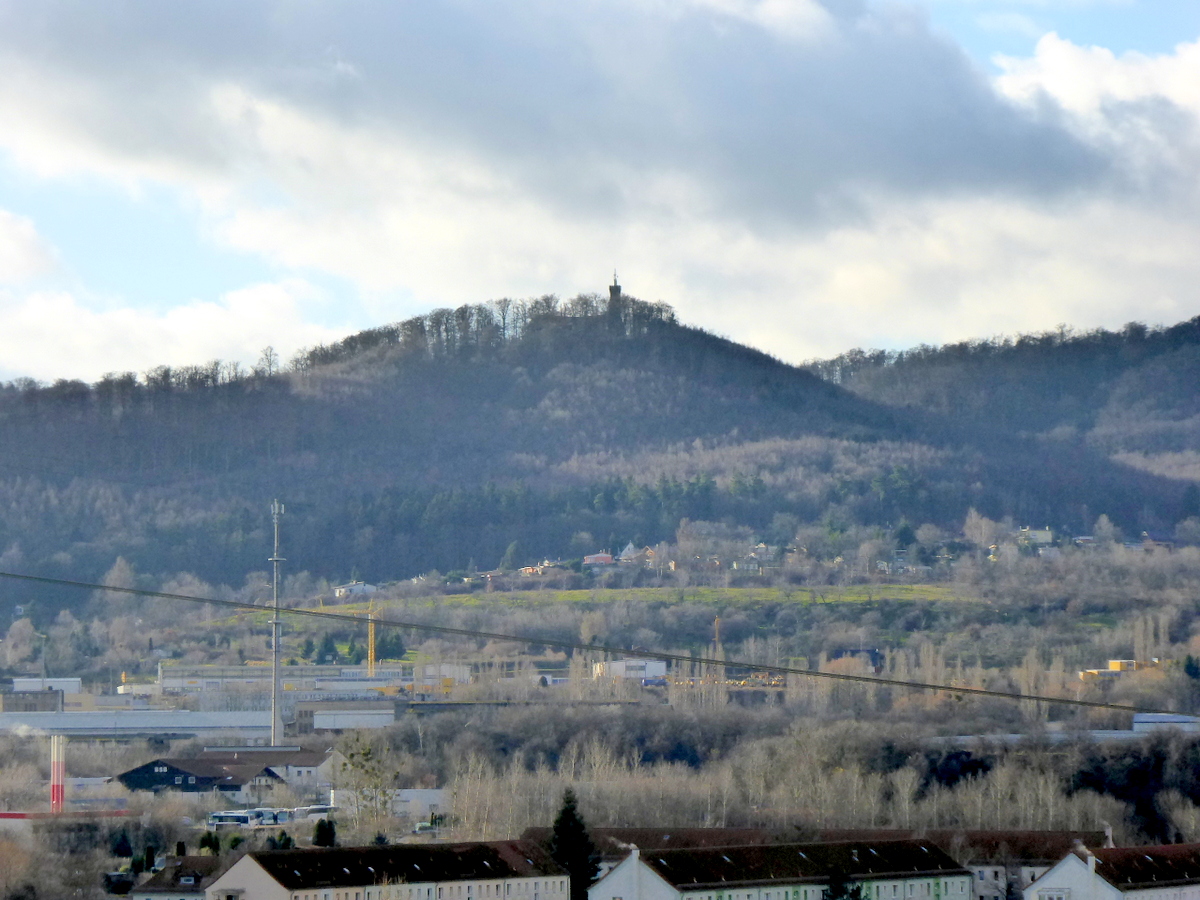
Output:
[[354, 589], [1170, 872], [640, 669], [884, 870], [180, 878], [1002, 862], [239, 782], [240, 774], [493, 870]]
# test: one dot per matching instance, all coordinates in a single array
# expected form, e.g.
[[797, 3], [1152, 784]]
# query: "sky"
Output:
[[194, 181]]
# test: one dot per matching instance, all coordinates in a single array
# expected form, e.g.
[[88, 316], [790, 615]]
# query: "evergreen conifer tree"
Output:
[[572, 848], [324, 833]]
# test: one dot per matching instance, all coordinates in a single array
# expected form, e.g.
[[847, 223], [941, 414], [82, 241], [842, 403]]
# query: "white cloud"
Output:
[[952, 270], [1085, 80], [52, 334], [23, 254], [1142, 110]]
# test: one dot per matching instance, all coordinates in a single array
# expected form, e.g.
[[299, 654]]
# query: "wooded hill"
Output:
[[569, 426]]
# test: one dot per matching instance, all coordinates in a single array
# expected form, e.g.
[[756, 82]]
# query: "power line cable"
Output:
[[592, 648]]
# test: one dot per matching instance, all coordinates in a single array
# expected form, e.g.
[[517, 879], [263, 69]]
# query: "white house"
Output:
[[299, 768], [354, 589], [494, 870], [1170, 872], [630, 668], [886, 870], [1001, 861]]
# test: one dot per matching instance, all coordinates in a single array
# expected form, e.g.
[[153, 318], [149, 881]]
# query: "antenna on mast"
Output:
[[275, 560]]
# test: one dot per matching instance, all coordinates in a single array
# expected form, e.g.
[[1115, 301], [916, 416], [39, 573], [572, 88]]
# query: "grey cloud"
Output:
[[569, 98]]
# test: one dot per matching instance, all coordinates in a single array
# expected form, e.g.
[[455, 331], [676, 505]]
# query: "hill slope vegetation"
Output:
[[561, 428]]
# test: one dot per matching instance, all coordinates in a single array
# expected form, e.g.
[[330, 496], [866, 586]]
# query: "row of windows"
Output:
[[881, 892], [444, 892]]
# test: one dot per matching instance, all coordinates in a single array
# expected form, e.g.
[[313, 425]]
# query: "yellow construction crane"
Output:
[[371, 639]]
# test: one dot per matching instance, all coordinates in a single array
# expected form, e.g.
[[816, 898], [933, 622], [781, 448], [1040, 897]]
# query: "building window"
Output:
[[179, 779]]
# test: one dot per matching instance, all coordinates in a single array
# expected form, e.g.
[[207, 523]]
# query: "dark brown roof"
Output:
[[267, 758], [975, 846], [614, 843], [203, 869], [223, 772], [349, 866], [1133, 867], [770, 863]]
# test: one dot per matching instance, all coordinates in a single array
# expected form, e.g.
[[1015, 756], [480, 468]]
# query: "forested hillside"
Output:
[[1129, 391], [565, 427]]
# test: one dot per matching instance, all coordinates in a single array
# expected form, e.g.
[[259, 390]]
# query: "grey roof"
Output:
[[978, 846], [614, 842], [765, 864], [350, 866], [203, 871], [138, 722], [1127, 868]]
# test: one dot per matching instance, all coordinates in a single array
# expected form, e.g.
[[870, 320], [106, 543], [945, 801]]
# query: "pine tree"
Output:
[[324, 833], [572, 848], [122, 847], [842, 888]]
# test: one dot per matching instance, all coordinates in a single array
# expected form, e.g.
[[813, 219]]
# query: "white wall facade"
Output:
[[630, 668], [246, 880], [1071, 879], [631, 879]]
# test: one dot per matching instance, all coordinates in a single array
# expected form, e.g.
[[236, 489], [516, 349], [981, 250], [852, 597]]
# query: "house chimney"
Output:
[[1091, 863]]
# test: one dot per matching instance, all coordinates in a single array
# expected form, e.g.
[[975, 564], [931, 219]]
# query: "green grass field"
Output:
[[756, 596]]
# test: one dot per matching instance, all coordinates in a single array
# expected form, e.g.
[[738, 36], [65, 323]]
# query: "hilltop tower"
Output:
[[614, 289]]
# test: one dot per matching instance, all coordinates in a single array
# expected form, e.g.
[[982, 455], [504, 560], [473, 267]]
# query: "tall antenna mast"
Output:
[[275, 560]]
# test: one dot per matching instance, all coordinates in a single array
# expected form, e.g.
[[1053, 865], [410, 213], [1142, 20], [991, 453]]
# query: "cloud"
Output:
[[53, 334], [23, 254], [567, 101], [802, 175], [1143, 110]]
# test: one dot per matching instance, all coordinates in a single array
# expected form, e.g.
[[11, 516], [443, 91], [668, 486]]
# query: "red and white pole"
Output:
[[58, 772]]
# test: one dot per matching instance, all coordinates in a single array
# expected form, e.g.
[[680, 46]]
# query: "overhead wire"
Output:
[[565, 644]]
